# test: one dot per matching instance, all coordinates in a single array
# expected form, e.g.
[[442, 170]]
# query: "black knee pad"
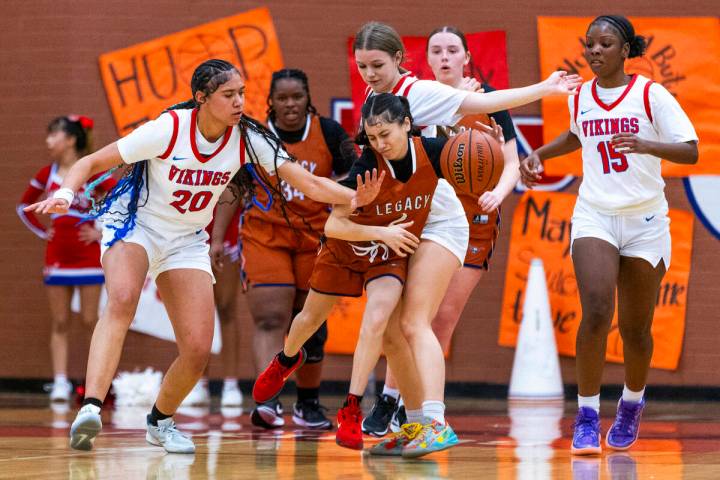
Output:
[[315, 346]]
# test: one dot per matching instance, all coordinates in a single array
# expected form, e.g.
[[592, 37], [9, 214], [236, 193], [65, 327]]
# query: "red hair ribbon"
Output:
[[85, 122]]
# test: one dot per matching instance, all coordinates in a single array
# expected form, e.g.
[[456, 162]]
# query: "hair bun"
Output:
[[638, 45]]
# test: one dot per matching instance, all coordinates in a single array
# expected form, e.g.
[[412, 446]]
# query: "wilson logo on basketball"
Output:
[[458, 167]]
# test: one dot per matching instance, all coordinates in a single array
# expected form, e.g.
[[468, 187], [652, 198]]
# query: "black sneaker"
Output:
[[399, 419], [268, 415], [310, 414], [376, 424]]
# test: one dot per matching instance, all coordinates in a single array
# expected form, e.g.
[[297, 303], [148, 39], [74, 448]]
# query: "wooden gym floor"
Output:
[[499, 441]]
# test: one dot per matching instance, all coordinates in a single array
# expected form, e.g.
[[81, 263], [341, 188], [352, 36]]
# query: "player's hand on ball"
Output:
[[489, 201], [628, 143], [367, 190], [562, 83], [217, 252], [399, 239], [50, 205], [530, 170], [493, 129], [471, 85]]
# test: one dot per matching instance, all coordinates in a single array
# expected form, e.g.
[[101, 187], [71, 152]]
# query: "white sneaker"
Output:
[[231, 397], [199, 395], [85, 428], [166, 435], [61, 391]]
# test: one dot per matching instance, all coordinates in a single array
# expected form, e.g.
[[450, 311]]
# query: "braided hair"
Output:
[[293, 74], [625, 31], [207, 78]]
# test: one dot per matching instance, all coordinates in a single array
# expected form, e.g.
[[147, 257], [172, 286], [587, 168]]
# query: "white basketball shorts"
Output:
[[184, 251], [644, 235]]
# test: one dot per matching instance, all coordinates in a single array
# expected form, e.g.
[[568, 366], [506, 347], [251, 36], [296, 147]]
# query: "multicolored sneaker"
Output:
[[394, 445], [349, 432], [271, 381], [586, 438], [433, 437], [625, 429], [378, 422]]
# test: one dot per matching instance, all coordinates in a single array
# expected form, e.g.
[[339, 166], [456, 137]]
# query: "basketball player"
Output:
[[280, 244], [620, 229], [444, 241], [72, 256], [154, 221], [448, 55], [368, 252]]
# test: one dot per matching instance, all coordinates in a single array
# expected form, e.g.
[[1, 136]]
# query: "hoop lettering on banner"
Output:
[[143, 80]]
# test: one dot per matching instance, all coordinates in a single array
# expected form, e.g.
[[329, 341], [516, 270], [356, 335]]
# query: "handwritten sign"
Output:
[[142, 80]]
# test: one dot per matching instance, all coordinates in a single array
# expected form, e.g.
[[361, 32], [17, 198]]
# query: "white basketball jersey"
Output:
[[184, 185], [615, 182]]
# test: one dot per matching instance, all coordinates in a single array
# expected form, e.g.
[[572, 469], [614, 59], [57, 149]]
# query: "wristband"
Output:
[[65, 194]]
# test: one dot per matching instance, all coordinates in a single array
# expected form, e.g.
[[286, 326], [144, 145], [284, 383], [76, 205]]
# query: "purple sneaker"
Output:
[[625, 429], [586, 439]]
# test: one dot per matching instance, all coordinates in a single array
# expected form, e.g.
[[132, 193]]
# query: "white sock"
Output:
[[591, 402], [630, 396], [434, 410], [391, 392], [230, 383], [203, 382], [414, 416], [60, 378], [401, 402]]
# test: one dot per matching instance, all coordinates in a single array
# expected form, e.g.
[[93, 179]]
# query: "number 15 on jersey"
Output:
[[611, 158]]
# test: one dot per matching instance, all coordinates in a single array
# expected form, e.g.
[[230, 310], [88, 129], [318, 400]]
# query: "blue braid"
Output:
[[264, 208], [91, 186], [132, 182]]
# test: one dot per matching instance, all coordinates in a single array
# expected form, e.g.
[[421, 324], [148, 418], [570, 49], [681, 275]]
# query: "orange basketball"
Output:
[[472, 162]]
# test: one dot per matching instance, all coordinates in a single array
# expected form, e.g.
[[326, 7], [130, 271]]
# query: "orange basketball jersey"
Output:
[[397, 202], [314, 155]]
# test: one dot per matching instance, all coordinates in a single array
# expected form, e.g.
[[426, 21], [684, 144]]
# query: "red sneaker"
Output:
[[349, 420], [273, 378]]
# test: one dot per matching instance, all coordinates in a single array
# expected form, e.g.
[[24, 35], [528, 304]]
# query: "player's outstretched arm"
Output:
[[100, 161], [558, 83], [325, 190]]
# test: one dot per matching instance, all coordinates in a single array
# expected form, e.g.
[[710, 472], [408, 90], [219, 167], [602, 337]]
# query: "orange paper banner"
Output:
[[682, 55], [541, 228], [144, 79]]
